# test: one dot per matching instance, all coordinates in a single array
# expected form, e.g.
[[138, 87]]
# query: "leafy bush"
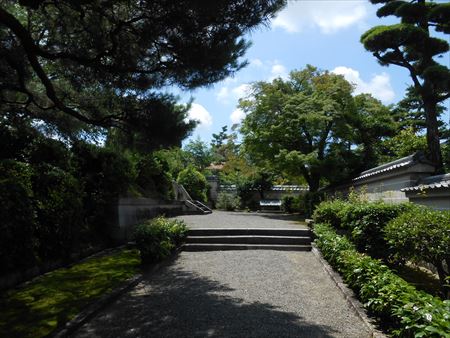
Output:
[[367, 221], [309, 201], [405, 311], [330, 212], [194, 182], [156, 238], [228, 201], [17, 226], [364, 221], [422, 235], [105, 175], [288, 204], [58, 199], [153, 176]]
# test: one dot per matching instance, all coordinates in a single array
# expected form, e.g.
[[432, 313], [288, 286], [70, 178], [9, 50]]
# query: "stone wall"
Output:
[[132, 211]]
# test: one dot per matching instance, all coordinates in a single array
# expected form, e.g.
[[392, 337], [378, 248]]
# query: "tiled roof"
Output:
[[289, 188], [432, 182], [232, 187], [400, 163]]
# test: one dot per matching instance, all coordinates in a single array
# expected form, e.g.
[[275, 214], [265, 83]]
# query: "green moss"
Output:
[[48, 302]]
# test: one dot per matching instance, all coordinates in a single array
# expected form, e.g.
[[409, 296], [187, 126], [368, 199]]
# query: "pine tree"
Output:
[[410, 44]]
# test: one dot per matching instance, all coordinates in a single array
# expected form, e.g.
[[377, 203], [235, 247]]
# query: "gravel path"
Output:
[[229, 219], [231, 294]]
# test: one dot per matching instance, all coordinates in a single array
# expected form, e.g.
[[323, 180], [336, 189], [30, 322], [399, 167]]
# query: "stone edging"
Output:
[[96, 306], [348, 294]]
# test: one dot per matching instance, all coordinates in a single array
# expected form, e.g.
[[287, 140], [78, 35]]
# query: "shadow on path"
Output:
[[178, 303]]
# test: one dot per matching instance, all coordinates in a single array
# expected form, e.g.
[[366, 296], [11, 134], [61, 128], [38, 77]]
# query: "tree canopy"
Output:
[[103, 63], [410, 45], [311, 124]]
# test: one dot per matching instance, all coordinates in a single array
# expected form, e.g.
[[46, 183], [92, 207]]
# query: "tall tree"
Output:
[[311, 125], [103, 62], [295, 124], [411, 46], [200, 153]]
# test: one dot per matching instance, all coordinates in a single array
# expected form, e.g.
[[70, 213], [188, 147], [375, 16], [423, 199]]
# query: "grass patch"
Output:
[[48, 302]]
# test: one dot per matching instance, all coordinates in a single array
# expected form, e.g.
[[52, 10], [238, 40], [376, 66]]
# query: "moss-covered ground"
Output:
[[48, 302]]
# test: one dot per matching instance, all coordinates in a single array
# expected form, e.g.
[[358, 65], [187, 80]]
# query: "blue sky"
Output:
[[322, 33]]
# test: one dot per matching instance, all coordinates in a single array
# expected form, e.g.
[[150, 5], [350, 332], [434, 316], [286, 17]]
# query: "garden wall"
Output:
[[132, 211], [403, 180]]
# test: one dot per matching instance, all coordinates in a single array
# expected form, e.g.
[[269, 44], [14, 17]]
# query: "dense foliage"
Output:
[[75, 64], [157, 238], [228, 201], [396, 233], [194, 182], [364, 222], [423, 235], [307, 125], [403, 310], [18, 220]]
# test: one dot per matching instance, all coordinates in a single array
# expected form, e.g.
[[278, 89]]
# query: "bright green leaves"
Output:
[[382, 38], [306, 125]]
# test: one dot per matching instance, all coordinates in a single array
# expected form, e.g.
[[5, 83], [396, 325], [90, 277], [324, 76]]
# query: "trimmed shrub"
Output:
[[228, 201], [194, 182], [17, 226], [331, 212], [422, 235], [58, 199], [156, 238], [405, 312], [366, 222], [288, 204]]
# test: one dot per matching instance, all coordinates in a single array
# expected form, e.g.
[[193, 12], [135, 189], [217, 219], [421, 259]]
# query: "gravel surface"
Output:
[[229, 219], [231, 294]]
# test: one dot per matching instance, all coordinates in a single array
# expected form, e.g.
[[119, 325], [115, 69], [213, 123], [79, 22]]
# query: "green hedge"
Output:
[[405, 311], [365, 222], [59, 211], [423, 235], [18, 221], [157, 238]]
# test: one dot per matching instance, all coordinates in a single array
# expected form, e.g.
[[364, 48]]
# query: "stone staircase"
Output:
[[217, 239]]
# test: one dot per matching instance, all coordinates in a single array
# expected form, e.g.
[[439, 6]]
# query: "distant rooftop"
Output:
[[407, 161], [431, 183]]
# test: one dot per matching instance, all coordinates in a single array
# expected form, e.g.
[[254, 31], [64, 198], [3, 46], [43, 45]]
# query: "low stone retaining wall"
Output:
[[132, 211]]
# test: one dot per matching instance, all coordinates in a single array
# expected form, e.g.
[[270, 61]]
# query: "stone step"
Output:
[[248, 232], [250, 239], [223, 247]]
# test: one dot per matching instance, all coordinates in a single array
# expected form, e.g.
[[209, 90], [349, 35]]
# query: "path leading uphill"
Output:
[[251, 293]]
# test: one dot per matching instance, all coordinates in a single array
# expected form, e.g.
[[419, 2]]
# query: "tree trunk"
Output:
[[433, 142], [314, 183]]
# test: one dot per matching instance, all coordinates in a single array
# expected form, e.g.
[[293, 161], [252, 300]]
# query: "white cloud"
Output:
[[241, 91], [223, 94], [199, 113], [328, 16], [379, 85], [256, 63], [278, 70], [237, 116]]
